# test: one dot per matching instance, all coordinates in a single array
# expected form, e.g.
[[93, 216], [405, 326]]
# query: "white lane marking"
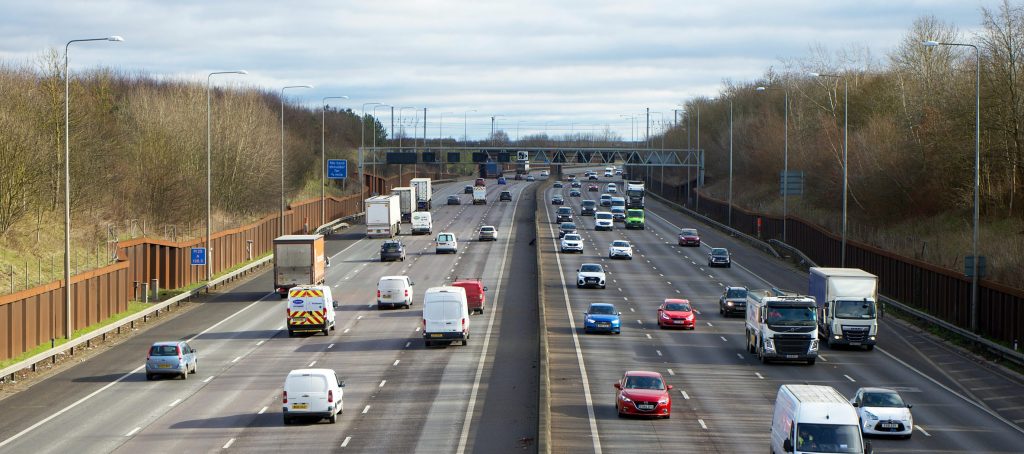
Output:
[[262, 410], [739, 355], [671, 372], [759, 375], [311, 364], [710, 276], [594, 436], [702, 425], [823, 358], [359, 317], [849, 378], [685, 396], [632, 310], [260, 342], [229, 443], [625, 299], [330, 346], [417, 329], [345, 443], [133, 431], [658, 352], [721, 284], [709, 323], [366, 409], [668, 282], [921, 429], [641, 322], [236, 359], [396, 362], [648, 335], [382, 382], [620, 289], [407, 344], [724, 339], [677, 291], [346, 331], [176, 402], [207, 380]]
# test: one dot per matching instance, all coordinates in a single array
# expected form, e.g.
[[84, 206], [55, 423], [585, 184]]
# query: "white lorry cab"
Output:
[[813, 418], [422, 222], [781, 326], [310, 309], [445, 315], [312, 393]]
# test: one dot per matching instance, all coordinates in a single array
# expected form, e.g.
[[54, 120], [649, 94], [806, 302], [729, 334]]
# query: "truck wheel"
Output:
[[427, 343], [869, 347], [810, 362], [291, 333]]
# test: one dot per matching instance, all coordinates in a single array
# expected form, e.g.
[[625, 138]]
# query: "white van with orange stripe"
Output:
[[310, 310]]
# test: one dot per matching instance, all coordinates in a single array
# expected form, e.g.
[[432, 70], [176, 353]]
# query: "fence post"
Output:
[[155, 288]]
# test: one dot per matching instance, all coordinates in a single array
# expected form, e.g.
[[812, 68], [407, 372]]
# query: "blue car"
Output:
[[501, 180], [602, 317], [174, 358]]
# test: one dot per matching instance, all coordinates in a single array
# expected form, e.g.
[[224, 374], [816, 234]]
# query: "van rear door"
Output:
[[443, 316], [307, 393]]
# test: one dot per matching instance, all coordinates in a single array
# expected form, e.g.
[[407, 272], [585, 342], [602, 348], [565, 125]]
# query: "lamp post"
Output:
[[68, 328], [362, 145], [700, 165], [785, 157], [280, 220], [632, 126], [209, 228], [977, 173], [401, 125], [323, 158], [730, 162], [465, 126], [375, 154], [846, 111]]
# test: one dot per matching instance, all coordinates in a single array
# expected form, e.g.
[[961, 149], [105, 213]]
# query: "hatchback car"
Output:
[[171, 358], [620, 249], [467, 189], [719, 256], [883, 412], [531, 178], [733, 300], [576, 184], [501, 180], [446, 242], [619, 214], [592, 177], [505, 196], [563, 214], [454, 200], [572, 243], [480, 182], [588, 207], [676, 313], [593, 188], [603, 220], [689, 237], [602, 317], [558, 185], [574, 193], [590, 275], [392, 250], [606, 200], [643, 393], [566, 228], [488, 233], [557, 200]]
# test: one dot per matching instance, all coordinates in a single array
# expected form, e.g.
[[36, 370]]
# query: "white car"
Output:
[[544, 173], [883, 412], [620, 248], [590, 275], [572, 242], [603, 220]]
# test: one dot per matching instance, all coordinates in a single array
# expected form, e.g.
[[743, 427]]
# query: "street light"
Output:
[[323, 158], [977, 172], [68, 329], [730, 162], [632, 127], [375, 154], [209, 228], [846, 111], [281, 219], [785, 157], [401, 125], [465, 126]]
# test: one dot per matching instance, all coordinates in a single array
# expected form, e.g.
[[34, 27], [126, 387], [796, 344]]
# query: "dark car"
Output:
[[468, 189], [574, 193], [557, 200], [558, 185], [593, 188], [563, 214], [392, 250], [565, 228], [505, 196], [519, 176], [719, 256], [588, 208], [733, 300], [454, 200], [576, 184]]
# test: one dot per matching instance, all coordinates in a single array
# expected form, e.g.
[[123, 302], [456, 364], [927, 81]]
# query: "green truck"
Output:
[[635, 219]]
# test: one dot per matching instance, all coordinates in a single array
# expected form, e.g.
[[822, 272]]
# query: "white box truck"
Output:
[[847, 305], [781, 326], [479, 195], [406, 201], [383, 218], [815, 418], [423, 193]]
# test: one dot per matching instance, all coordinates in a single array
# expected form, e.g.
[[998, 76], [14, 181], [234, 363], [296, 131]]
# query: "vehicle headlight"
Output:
[[590, 320], [814, 346], [728, 303], [615, 322], [625, 399], [870, 415], [689, 317], [663, 400], [769, 345]]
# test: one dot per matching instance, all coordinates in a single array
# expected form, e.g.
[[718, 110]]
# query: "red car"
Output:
[[643, 393], [593, 188], [674, 313], [689, 237]]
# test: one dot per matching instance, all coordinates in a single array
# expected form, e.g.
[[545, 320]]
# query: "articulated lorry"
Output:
[[847, 305], [423, 193], [634, 194], [406, 201], [383, 216], [298, 260], [781, 326]]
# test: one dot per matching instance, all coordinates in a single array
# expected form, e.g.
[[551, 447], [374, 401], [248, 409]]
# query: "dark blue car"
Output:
[[602, 318]]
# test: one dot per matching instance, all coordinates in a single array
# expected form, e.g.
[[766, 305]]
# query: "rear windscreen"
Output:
[[163, 350]]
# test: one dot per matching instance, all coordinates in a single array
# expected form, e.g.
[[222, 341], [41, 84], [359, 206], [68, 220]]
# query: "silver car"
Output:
[[488, 233], [171, 358]]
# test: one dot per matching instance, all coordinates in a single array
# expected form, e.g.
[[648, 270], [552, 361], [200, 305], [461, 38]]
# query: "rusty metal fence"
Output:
[[941, 292], [35, 316]]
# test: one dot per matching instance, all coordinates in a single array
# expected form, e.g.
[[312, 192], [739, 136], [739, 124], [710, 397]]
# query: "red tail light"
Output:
[[179, 352], [378, 293], [330, 396], [463, 324], [284, 397], [406, 293]]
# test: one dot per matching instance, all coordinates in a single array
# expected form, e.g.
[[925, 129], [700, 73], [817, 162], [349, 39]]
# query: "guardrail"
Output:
[[1000, 350], [69, 347], [733, 232]]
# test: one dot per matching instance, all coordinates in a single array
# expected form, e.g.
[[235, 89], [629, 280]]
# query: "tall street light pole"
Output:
[[785, 157], [700, 165], [846, 130], [68, 328], [280, 220], [730, 162], [323, 158], [362, 145], [375, 154], [209, 228], [465, 126], [977, 173]]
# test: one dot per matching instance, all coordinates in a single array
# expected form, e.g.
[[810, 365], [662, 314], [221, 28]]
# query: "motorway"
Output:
[[400, 396], [723, 396]]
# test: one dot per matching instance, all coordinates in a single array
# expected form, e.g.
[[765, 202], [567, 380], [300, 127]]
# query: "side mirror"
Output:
[[787, 445], [341, 383], [485, 289], [336, 305], [855, 404], [618, 313], [670, 387], [618, 386], [910, 405]]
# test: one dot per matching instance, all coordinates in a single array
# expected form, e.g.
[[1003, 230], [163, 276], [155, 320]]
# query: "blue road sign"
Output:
[[337, 169], [969, 266], [199, 256]]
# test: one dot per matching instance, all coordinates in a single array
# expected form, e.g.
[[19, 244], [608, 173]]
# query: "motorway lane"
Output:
[[741, 400]]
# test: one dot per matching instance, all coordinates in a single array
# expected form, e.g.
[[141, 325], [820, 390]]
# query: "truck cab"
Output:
[[781, 326]]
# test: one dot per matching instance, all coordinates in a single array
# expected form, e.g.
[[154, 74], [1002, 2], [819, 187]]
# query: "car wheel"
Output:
[[326, 331], [721, 311], [149, 377], [428, 344], [911, 434], [195, 367], [291, 333], [287, 420], [333, 419], [869, 347], [660, 326], [810, 362], [405, 306], [729, 265], [603, 287], [184, 375]]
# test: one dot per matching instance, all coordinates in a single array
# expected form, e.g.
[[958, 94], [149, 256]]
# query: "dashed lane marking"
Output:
[[345, 442], [759, 375]]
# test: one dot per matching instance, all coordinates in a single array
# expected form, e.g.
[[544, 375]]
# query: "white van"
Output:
[[445, 243], [422, 222], [445, 315], [310, 309], [315, 393], [813, 418], [394, 291]]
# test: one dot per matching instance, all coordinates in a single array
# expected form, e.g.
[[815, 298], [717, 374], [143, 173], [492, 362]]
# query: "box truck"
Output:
[[298, 260], [423, 193], [781, 326], [383, 218], [406, 201], [847, 305], [479, 195]]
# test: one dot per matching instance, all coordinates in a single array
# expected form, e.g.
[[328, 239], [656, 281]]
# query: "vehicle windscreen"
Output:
[[590, 268], [635, 213], [644, 383], [892, 400], [603, 215], [855, 309], [618, 210], [828, 438], [688, 232], [572, 237], [602, 310], [163, 350], [677, 307], [589, 203], [736, 293], [620, 244], [565, 210], [568, 226], [792, 316], [618, 202], [719, 252]]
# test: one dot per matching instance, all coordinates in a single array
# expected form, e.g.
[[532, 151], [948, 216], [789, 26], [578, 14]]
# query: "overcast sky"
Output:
[[576, 64]]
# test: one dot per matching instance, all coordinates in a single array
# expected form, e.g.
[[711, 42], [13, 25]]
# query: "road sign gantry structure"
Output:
[[654, 157]]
